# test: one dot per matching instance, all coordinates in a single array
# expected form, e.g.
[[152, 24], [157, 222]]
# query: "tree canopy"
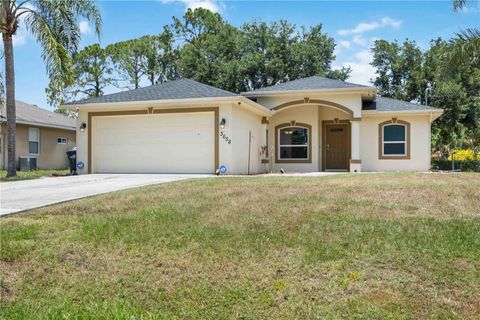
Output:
[[405, 72], [202, 46]]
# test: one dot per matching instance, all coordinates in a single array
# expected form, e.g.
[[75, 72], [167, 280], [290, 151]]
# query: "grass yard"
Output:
[[27, 175], [369, 246]]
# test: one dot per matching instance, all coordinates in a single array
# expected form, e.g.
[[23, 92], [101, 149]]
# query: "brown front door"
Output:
[[336, 146]]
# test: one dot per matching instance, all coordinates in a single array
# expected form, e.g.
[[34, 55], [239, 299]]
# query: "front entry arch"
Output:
[[314, 101]]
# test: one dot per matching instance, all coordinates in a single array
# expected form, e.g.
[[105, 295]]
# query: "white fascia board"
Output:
[[434, 114], [150, 102], [46, 125], [309, 91], [256, 107], [178, 102]]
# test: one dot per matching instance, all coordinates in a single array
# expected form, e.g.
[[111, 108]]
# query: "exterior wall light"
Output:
[[83, 126], [222, 123]]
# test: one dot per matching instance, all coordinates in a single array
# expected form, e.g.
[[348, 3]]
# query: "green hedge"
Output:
[[463, 165]]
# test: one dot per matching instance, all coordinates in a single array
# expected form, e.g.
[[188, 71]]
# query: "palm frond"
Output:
[[459, 4], [56, 57], [55, 24], [88, 10], [468, 43]]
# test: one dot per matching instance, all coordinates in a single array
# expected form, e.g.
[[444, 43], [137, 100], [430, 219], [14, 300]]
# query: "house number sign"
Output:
[[225, 137]]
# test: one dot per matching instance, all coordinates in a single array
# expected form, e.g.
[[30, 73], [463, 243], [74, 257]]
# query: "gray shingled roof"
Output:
[[310, 83], [32, 114], [176, 89], [389, 104]]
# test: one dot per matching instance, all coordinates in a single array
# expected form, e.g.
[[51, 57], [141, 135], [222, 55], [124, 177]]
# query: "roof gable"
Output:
[[170, 90], [309, 83]]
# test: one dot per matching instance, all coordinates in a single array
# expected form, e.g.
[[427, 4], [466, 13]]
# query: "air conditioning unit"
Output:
[[28, 163]]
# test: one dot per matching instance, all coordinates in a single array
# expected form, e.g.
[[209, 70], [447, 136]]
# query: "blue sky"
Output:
[[354, 25]]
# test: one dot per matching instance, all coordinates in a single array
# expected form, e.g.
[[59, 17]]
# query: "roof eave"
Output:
[[262, 109], [73, 105], [308, 91], [434, 113], [46, 125]]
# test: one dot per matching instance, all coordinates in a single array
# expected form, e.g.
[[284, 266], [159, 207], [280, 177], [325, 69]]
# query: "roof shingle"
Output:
[[32, 114], [309, 83], [176, 89], [388, 104]]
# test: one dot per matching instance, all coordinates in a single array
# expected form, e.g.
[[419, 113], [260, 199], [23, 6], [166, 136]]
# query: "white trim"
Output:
[[434, 114], [37, 141], [308, 91], [292, 145], [212, 101], [392, 142]]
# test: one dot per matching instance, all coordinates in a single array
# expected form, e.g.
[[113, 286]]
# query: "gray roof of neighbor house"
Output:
[[34, 115], [388, 105], [309, 83], [170, 90]]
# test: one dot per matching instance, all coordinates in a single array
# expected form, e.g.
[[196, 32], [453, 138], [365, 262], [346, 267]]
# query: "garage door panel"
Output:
[[163, 143]]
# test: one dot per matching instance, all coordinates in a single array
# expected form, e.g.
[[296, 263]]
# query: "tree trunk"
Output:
[[10, 103]]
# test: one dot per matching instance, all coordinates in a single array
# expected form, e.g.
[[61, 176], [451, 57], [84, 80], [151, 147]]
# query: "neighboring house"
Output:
[[310, 124], [40, 134]]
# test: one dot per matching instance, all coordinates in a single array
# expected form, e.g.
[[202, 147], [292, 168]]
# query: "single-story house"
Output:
[[41, 134], [305, 125]]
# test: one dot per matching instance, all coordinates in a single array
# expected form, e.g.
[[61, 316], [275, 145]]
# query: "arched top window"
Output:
[[394, 140], [293, 143]]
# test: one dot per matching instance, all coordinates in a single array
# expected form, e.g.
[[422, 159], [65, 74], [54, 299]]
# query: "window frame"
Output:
[[66, 140], [381, 142], [293, 124], [37, 141]]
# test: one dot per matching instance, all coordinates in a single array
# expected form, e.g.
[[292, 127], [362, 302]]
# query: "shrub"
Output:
[[465, 154], [463, 165]]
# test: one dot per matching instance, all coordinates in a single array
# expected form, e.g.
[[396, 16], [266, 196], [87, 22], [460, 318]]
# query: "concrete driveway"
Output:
[[29, 194]]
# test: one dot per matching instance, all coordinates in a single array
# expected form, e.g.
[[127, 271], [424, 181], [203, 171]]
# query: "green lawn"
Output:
[[370, 246], [34, 174]]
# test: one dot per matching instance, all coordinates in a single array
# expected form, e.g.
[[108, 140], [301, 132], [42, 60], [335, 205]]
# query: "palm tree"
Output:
[[54, 24], [469, 39]]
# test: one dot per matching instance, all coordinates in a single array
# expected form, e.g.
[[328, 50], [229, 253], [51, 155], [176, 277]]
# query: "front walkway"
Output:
[[29, 194]]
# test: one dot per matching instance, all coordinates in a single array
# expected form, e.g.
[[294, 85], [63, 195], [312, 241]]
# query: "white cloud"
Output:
[[471, 9], [84, 27], [344, 44], [22, 35], [364, 27], [212, 5], [362, 71], [358, 39]]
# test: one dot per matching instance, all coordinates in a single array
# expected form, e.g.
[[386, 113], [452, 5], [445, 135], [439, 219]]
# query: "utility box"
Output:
[[28, 163]]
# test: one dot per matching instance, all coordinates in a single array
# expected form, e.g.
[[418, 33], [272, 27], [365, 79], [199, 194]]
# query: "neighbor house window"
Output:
[[394, 140], [293, 143], [33, 140], [62, 140]]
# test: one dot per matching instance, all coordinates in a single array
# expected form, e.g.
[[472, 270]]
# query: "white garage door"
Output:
[[154, 143]]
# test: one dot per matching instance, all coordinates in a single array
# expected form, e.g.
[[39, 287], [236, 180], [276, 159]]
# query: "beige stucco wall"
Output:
[[239, 120], [419, 144], [353, 101], [246, 124], [51, 156], [314, 115], [309, 114]]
